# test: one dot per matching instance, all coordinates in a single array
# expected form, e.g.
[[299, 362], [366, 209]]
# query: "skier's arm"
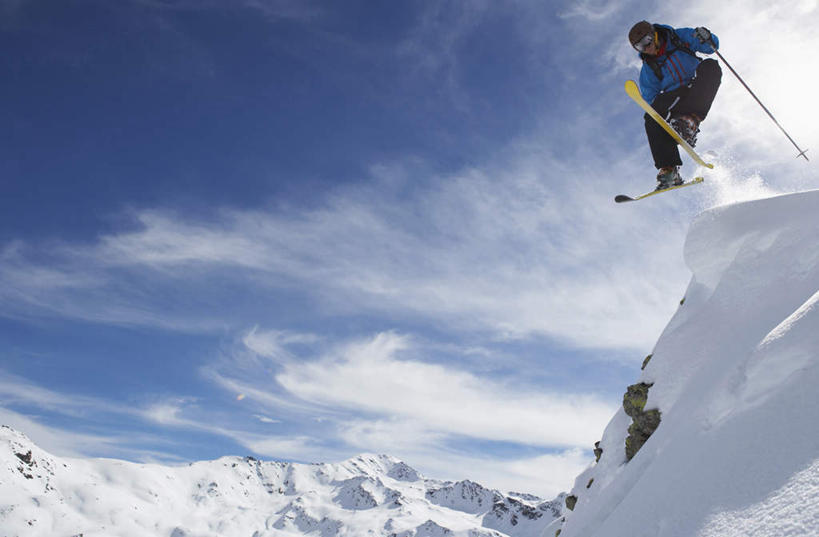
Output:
[[689, 37]]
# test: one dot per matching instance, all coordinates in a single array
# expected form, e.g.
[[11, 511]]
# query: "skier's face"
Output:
[[648, 44], [653, 49]]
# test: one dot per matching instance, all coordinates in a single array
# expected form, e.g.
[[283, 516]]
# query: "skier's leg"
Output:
[[663, 146], [697, 100]]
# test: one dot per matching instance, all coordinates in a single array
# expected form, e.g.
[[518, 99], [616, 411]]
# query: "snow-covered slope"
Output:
[[370, 495], [735, 377]]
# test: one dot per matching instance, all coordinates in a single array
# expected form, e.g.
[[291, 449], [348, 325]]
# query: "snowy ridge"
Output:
[[368, 495], [735, 377]]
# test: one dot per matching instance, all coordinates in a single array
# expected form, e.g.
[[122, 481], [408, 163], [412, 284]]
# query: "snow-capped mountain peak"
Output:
[[365, 495]]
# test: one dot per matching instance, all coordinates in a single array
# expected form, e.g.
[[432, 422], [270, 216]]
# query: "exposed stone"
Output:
[[571, 501], [644, 422], [634, 400], [646, 361], [590, 483], [25, 458], [598, 451]]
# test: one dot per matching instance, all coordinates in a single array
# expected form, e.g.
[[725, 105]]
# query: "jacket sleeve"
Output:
[[688, 37], [649, 84]]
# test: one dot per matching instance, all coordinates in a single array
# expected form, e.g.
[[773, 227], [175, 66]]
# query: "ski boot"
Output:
[[667, 177], [687, 126]]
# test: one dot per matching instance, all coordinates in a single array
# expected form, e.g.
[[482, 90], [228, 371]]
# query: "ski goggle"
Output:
[[644, 43]]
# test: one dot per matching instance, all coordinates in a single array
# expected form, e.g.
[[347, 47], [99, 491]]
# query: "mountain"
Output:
[[41, 494], [719, 436]]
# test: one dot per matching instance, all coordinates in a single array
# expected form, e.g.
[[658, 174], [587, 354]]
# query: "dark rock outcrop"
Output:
[[644, 422]]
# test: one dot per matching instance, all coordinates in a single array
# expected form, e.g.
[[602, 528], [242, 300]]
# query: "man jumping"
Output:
[[679, 85]]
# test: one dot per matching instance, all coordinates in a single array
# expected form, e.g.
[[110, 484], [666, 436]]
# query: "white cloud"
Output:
[[379, 377], [393, 435], [592, 10], [55, 440], [290, 447], [506, 252], [170, 412], [16, 390], [272, 344], [67, 442], [257, 385], [265, 419]]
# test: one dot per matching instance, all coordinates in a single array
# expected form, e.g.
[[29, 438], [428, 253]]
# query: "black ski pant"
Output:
[[696, 98]]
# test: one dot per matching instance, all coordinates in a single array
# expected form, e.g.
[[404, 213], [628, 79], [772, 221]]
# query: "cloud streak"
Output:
[[504, 252], [372, 377]]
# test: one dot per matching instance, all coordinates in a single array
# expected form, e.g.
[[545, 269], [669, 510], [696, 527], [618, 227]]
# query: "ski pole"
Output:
[[728, 65]]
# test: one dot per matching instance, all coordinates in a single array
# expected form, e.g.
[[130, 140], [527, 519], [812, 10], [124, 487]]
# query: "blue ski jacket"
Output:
[[677, 66]]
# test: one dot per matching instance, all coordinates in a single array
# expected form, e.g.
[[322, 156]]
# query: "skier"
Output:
[[679, 85]]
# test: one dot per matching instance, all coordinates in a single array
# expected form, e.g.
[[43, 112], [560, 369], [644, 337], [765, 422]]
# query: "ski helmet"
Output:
[[639, 31]]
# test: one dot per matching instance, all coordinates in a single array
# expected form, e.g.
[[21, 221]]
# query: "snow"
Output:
[[368, 495], [735, 376]]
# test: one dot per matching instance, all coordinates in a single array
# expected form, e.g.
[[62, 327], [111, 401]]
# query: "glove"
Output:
[[703, 34]]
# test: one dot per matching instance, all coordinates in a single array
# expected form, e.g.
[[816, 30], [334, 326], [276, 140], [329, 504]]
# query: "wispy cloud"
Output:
[[265, 419], [16, 390], [591, 10], [60, 441], [272, 344], [36, 418], [380, 376], [431, 48], [503, 251]]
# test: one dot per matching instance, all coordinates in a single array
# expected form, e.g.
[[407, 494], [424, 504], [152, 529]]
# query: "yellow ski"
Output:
[[623, 198], [634, 92]]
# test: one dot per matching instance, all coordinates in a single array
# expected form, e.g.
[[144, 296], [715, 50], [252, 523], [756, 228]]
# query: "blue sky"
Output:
[[305, 230]]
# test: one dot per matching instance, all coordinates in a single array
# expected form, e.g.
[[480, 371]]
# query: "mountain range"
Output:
[[41, 494]]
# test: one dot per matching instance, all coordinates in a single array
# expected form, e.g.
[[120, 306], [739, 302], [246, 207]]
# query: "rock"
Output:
[[25, 458], [644, 422], [634, 400]]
